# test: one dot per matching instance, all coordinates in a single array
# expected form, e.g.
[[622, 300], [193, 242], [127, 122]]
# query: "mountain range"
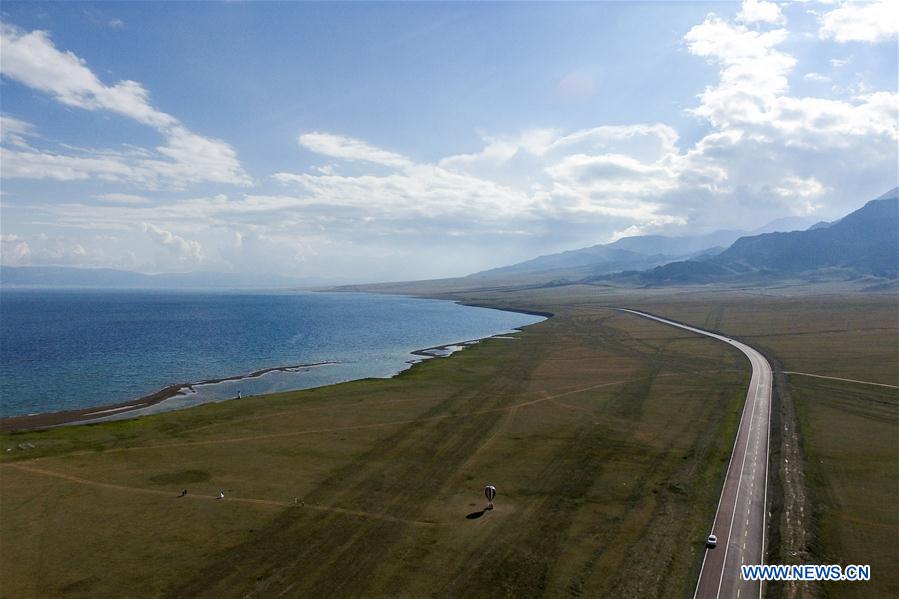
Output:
[[637, 253], [862, 246], [864, 243]]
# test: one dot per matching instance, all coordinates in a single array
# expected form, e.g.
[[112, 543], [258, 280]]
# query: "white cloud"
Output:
[[817, 77], [839, 62], [765, 151], [805, 190], [755, 11], [33, 164], [498, 151], [813, 147], [799, 187], [123, 198], [347, 148], [184, 250], [197, 158], [43, 250], [585, 175], [752, 93], [186, 158], [14, 251], [32, 59], [861, 22], [14, 131], [424, 190], [753, 72]]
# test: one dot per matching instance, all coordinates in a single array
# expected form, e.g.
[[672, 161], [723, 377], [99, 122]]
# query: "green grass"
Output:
[[849, 432], [606, 435], [852, 471]]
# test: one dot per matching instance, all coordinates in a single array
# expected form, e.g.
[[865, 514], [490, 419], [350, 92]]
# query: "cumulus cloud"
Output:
[[42, 249], [805, 190], [762, 151], [861, 22], [752, 92], [754, 11], [604, 172], [753, 71], [762, 155], [33, 60], [14, 251], [183, 249]]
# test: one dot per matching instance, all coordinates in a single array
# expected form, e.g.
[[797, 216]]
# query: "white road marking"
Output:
[[760, 380]]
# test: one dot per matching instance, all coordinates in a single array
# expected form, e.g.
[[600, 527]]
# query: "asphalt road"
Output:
[[741, 515]]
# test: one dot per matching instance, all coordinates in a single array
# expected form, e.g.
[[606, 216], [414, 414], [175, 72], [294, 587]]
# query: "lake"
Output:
[[73, 349]]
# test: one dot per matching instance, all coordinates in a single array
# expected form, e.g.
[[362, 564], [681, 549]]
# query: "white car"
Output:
[[711, 542]]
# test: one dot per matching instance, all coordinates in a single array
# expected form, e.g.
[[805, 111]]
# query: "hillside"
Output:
[[636, 253], [597, 259], [865, 242]]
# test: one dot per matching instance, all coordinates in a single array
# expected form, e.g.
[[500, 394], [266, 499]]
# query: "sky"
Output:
[[381, 141]]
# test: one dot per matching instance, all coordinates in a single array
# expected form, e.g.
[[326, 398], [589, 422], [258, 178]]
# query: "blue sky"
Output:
[[369, 141]]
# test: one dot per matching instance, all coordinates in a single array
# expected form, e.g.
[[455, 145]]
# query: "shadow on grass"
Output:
[[476, 515]]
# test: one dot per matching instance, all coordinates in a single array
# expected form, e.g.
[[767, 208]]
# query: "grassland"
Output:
[[835, 452], [848, 432], [606, 435], [851, 447]]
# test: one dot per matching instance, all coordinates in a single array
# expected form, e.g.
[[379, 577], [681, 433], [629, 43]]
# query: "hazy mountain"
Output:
[[640, 252], [677, 246], [597, 259], [866, 242], [61, 276], [863, 243], [786, 224], [820, 225]]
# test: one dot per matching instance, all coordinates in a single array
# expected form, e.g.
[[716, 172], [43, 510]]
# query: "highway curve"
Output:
[[741, 515]]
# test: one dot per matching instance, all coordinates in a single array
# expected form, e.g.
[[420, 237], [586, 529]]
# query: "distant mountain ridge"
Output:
[[866, 240], [859, 252], [678, 246], [863, 243], [63, 276], [597, 259], [640, 252]]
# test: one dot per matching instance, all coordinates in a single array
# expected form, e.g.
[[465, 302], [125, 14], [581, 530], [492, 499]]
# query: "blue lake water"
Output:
[[67, 349]]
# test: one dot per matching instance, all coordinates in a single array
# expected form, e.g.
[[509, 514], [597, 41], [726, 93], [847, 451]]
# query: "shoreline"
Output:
[[44, 420], [96, 414]]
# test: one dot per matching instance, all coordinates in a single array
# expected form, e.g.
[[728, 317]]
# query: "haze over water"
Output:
[[66, 349]]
